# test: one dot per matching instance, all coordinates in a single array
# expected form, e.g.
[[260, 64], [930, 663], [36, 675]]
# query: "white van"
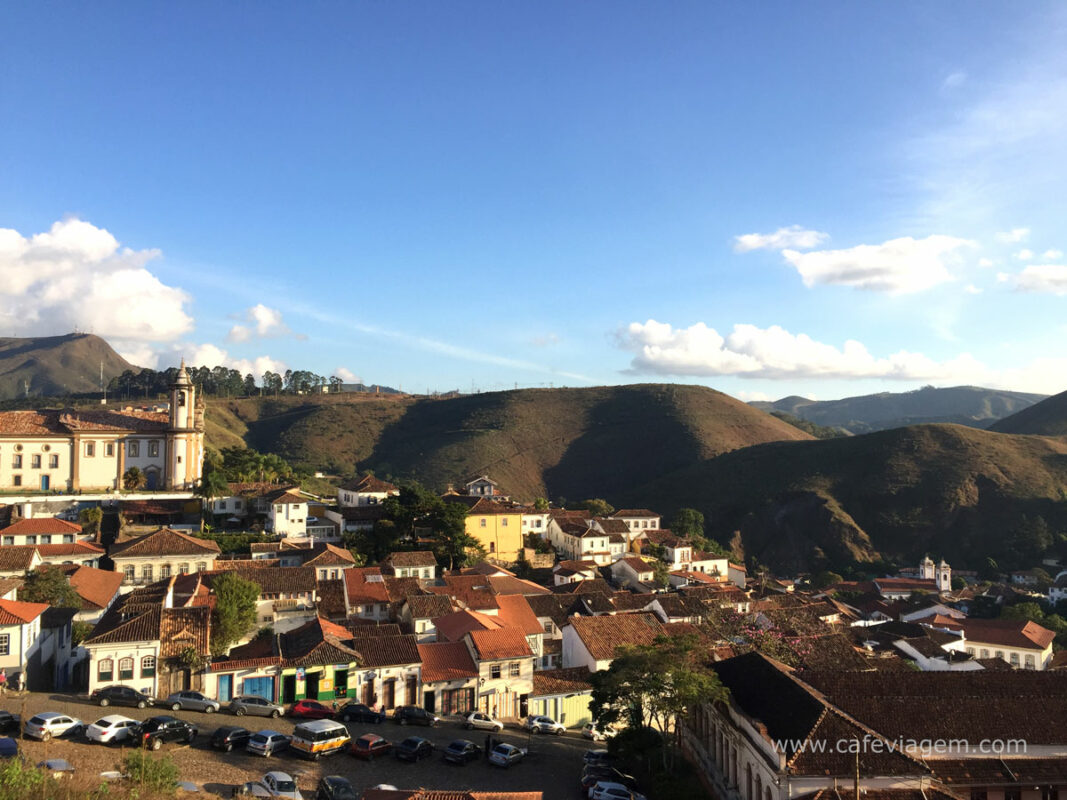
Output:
[[320, 737]]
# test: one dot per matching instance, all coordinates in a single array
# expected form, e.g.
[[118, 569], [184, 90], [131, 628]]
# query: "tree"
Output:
[[597, 507], [250, 384], [688, 522], [90, 519], [824, 580], [79, 631], [49, 585], [133, 479], [654, 686], [661, 574], [234, 616], [452, 543], [157, 774], [540, 504]]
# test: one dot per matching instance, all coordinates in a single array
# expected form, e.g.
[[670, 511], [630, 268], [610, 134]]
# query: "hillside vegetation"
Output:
[[962, 405], [580, 443], [56, 365], [947, 490], [1047, 418]]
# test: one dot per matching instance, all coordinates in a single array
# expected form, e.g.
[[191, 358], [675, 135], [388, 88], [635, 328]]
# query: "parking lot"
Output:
[[552, 767]]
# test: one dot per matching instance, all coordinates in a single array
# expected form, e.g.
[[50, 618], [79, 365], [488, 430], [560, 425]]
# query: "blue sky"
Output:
[[823, 198]]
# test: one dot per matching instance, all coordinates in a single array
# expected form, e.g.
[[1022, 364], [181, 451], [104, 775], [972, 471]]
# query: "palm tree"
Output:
[[133, 479]]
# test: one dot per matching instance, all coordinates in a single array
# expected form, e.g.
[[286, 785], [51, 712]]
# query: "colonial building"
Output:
[[498, 527], [365, 491], [91, 449], [162, 554]]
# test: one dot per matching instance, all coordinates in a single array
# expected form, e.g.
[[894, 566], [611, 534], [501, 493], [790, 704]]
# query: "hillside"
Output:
[[56, 365], [963, 405], [536, 442], [947, 490], [1047, 418]]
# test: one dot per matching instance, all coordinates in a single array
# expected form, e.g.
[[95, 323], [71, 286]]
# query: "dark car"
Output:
[[357, 712], [599, 758], [591, 776], [310, 709], [413, 715], [9, 747], [229, 737], [414, 748], [334, 787], [10, 723], [157, 730], [462, 751], [120, 696], [369, 746]]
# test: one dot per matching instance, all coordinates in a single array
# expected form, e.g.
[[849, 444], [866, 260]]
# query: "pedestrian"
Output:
[[3, 682], [20, 682]]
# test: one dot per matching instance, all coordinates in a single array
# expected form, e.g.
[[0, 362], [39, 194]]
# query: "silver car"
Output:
[[267, 743], [483, 722], [192, 701], [254, 706], [45, 726]]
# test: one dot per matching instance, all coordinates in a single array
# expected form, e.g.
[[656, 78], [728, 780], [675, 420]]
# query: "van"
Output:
[[320, 737]]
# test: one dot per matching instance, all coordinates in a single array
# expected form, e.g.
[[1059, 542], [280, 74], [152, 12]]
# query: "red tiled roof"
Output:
[[1007, 633], [287, 498], [515, 612], [904, 584], [500, 643], [365, 585], [385, 651], [18, 557], [164, 542], [41, 525], [97, 587], [603, 635], [411, 558], [453, 627], [15, 612], [446, 661], [69, 549], [636, 513], [572, 680], [636, 564], [369, 484], [56, 422]]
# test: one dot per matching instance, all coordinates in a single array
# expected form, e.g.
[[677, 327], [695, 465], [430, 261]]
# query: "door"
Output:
[[368, 692], [412, 691], [225, 688], [389, 694], [151, 480], [260, 687], [340, 682], [289, 688], [187, 679], [311, 685], [428, 701], [45, 483]]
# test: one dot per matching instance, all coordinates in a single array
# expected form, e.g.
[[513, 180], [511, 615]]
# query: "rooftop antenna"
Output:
[[103, 388]]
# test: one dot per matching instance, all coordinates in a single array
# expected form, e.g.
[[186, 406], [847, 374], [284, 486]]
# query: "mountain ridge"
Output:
[[56, 365]]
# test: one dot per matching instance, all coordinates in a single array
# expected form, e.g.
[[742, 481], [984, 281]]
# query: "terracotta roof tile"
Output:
[[446, 661], [17, 558], [164, 542], [365, 585], [500, 643], [386, 651], [69, 549], [633, 513], [515, 612], [96, 587], [15, 612], [42, 525], [453, 627], [411, 558], [1008, 633], [561, 681], [602, 636], [429, 606]]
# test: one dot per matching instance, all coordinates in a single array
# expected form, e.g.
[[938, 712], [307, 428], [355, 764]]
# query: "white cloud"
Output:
[[970, 288], [776, 354], [752, 397], [197, 355], [1025, 255], [546, 340], [263, 323], [898, 266], [1045, 278], [77, 277], [347, 375], [1052, 255], [793, 237], [1013, 236], [954, 80], [985, 263]]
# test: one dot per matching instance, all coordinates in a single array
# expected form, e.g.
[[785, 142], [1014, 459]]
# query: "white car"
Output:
[[50, 724], [114, 728], [483, 722], [591, 731], [537, 724], [281, 784], [504, 755], [606, 790]]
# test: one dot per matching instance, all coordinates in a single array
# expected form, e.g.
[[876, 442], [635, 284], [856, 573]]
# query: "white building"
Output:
[[366, 491]]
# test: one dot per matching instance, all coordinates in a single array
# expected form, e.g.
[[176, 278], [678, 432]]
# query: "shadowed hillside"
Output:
[[952, 491], [1047, 418], [536, 442], [56, 365]]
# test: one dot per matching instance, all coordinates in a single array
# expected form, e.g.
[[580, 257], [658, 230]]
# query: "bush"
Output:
[[153, 773]]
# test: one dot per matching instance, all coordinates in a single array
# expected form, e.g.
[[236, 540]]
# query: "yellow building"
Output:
[[497, 526]]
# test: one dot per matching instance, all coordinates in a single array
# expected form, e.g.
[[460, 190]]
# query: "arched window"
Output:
[[748, 782], [148, 667], [146, 573], [767, 793], [164, 571], [201, 566], [183, 569], [759, 787], [105, 670], [129, 572], [126, 669]]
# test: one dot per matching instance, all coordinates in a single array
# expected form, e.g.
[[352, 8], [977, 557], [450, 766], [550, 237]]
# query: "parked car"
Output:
[[9, 747], [254, 706], [414, 748], [334, 787], [267, 743], [357, 712], [462, 751], [112, 729], [319, 737], [543, 725], [483, 722], [9, 723], [369, 746], [252, 789], [607, 790], [281, 784], [51, 724], [596, 734], [192, 701], [120, 696], [592, 775], [229, 737], [310, 709], [154, 731], [413, 715], [598, 757], [57, 767], [504, 755]]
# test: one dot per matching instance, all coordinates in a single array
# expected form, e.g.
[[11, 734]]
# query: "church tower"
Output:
[[944, 576], [185, 435]]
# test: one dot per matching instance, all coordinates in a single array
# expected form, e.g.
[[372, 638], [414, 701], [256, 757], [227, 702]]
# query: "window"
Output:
[[109, 449], [148, 667], [146, 572], [5, 644], [494, 671], [1031, 663], [105, 671], [513, 669], [16, 461], [90, 449], [68, 538], [134, 449], [16, 480], [164, 571], [985, 653], [153, 449], [35, 461], [503, 522], [482, 522], [9, 540], [201, 566], [31, 540], [548, 626], [492, 547], [128, 572], [1015, 659], [46, 538], [183, 569], [53, 461], [126, 669]]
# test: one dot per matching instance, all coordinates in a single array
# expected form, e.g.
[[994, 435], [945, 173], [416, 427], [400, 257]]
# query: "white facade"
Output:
[[288, 519], [133, 664]]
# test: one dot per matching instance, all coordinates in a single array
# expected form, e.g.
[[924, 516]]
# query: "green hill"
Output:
[[961, 405], [56, 365], [580, 443], [947, 490], [1047, 418]]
